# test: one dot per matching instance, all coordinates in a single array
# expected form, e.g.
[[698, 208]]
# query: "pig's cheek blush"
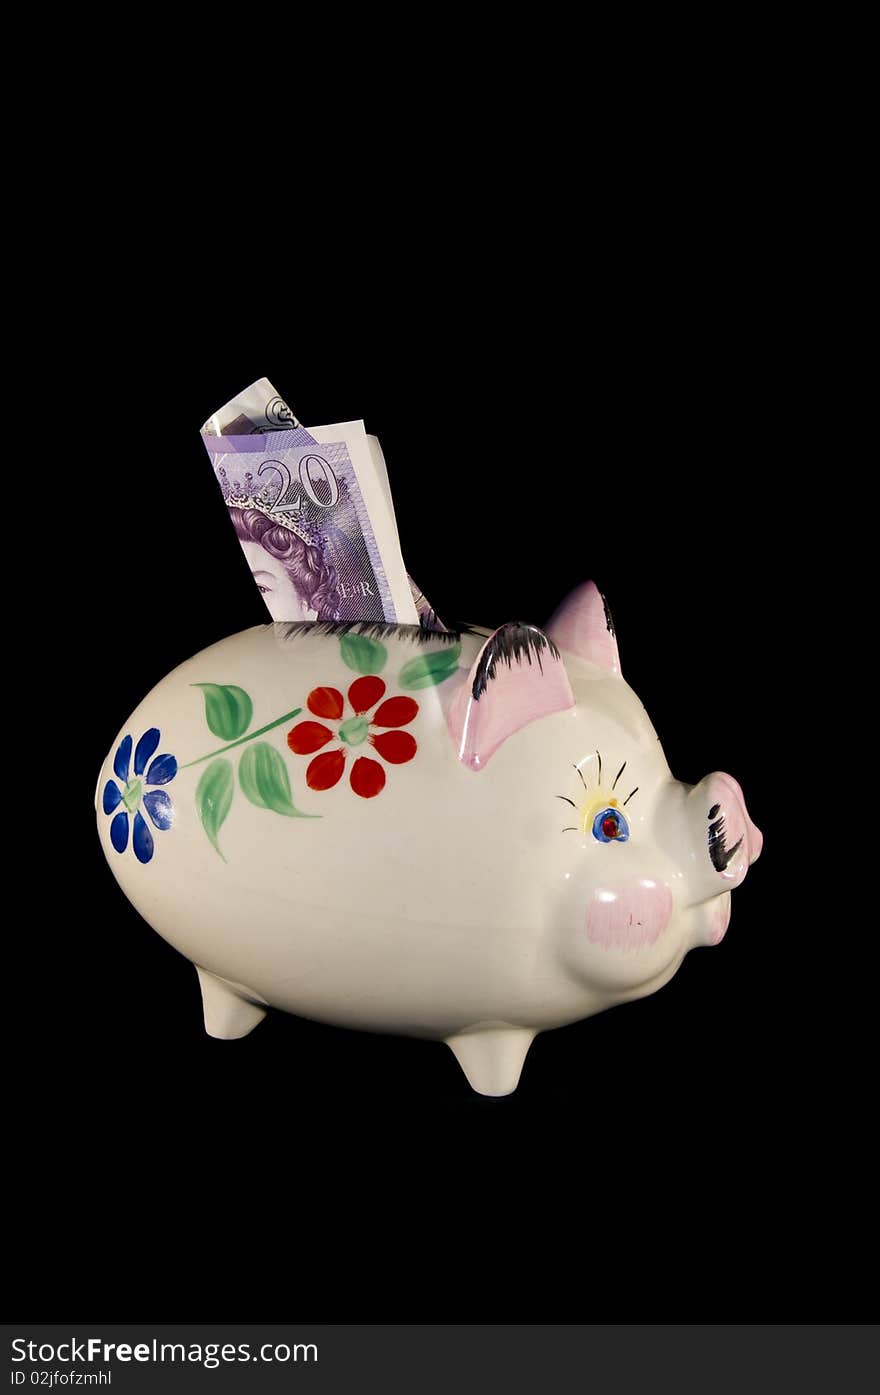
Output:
[[629, 916]]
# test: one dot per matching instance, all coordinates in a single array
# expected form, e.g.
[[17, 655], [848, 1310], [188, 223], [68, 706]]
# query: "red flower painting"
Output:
[[367, 776]]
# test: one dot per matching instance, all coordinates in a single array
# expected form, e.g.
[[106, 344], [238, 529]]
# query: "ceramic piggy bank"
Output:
[[465, 836]]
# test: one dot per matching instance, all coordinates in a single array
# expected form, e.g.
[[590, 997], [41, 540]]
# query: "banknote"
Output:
[[372, 569], [315, 548]]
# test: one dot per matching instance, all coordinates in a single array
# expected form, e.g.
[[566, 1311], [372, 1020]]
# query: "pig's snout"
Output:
[[726, 840], [731, 828]]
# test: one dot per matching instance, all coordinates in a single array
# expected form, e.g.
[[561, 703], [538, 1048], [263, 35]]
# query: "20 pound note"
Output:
[[313, 519]]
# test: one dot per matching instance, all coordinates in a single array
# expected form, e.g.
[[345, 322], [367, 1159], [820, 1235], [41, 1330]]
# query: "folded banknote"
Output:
[[313, 512]]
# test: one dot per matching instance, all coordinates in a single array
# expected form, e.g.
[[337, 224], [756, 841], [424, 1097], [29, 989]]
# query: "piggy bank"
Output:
[[469, 836]]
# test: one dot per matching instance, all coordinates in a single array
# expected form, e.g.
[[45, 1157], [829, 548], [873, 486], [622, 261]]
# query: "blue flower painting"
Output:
[[133, 791]]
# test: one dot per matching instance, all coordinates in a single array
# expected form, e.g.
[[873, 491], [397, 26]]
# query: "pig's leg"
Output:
[[227, 1014], [492, 1056]]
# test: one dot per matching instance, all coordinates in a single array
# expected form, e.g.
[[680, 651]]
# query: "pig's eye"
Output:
[[610, 826]]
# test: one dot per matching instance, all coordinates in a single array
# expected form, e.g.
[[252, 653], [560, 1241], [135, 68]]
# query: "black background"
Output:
[[618, 404]]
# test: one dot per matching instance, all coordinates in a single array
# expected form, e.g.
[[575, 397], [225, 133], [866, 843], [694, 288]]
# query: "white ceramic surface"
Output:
[[528, 861]]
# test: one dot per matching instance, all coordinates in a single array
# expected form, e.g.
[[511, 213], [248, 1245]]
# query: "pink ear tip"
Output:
[[582, 592], [582, 624]]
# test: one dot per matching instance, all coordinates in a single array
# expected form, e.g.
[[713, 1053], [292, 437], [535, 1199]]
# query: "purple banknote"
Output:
[[315, 520], [305, 528]]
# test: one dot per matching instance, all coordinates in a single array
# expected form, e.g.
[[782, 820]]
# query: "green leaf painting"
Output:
[[363, 654], [261, 770], [228, 709], [428, 669], [263, 778], [214, 798]]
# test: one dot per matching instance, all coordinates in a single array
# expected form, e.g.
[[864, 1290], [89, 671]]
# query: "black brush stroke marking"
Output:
[[374, 629], [618, 775], [717, 851], [578, 769], [630, 795], [567, 800], [514, 641], [608, 621]]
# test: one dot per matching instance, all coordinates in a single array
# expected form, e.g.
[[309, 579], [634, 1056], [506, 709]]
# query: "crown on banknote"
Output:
[[242, 493]]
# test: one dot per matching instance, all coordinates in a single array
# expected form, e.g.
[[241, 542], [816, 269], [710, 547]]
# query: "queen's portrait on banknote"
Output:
[[291, 570]]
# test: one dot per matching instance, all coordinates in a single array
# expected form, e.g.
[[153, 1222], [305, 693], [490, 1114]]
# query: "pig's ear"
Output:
[[516, 677], [582, 625]]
